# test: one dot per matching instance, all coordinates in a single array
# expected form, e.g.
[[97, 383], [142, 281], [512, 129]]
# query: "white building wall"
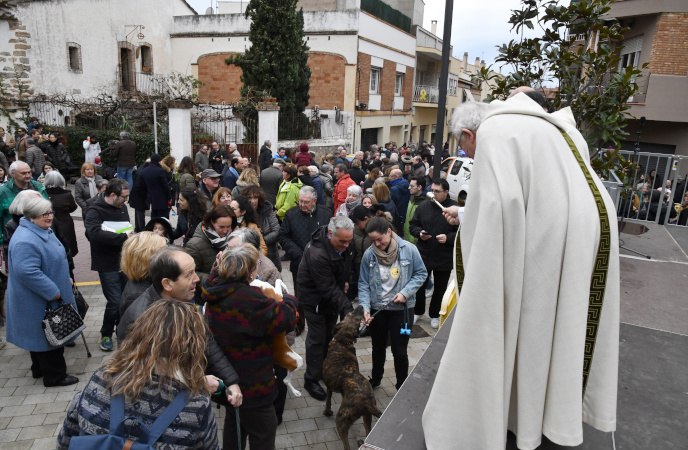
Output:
[[97, 26], [373, 29]]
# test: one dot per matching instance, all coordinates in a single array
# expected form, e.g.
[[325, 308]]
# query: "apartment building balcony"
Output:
[[425, 95]]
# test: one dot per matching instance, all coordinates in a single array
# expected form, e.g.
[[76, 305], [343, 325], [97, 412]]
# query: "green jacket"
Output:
[[288, 198], [410, 210], [8, 192]]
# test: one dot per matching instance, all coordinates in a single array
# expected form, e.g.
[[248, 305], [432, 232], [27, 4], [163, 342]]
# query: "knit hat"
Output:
[[359, 213], [155, 158], [407, 159], [303, 147]]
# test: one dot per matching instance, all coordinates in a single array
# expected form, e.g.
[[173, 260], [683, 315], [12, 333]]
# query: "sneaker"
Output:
[[374, 383], [415, 318], [435, 323], [106, 344]]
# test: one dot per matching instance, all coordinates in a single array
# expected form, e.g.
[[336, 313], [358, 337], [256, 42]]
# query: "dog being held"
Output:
[[340, 373]]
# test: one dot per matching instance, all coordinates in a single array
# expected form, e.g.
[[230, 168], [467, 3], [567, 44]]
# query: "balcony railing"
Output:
[[142, 83], [426, 94]]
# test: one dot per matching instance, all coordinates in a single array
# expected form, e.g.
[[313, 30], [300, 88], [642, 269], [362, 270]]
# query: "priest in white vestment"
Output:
[[537, 228]]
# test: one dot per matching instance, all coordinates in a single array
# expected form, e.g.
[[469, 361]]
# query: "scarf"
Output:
[[352, 205], [92, 186], [218, 243], [387, 257]]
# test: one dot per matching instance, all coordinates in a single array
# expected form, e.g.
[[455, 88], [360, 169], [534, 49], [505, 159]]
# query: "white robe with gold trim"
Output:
[[529, 238]]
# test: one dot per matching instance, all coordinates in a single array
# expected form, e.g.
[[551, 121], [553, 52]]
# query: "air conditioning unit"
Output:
[[338, 117]]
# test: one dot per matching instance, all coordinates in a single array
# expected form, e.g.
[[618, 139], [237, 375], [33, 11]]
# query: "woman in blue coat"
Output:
[[38, 275]]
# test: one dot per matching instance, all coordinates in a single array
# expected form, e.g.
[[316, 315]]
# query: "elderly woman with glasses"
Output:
[[38, 278]]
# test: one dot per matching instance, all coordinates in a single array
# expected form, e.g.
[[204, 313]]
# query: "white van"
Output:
[[458, 170]]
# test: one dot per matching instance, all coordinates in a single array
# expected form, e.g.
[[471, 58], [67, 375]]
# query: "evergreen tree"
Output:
[[276, 63]]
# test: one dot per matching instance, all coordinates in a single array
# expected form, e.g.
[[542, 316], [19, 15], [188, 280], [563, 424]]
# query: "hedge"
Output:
[[145, 143]]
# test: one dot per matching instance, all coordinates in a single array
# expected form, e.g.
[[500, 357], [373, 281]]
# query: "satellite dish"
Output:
[[209, 11]]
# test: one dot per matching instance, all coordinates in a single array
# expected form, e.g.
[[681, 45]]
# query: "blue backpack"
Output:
[[116, 440]]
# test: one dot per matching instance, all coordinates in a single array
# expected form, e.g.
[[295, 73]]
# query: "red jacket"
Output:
[[302, 159], [340, 191]]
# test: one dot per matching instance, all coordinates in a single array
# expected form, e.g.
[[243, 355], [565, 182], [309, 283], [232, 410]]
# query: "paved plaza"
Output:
[[31, 415]]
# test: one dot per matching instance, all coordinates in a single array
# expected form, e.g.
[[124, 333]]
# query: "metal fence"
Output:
[[659, 189], [222, 124], [291, 126]]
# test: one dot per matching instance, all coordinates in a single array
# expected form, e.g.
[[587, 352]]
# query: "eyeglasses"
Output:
[[436, 191], [226, 197], [124, 196], [305, 202], [48, 214]]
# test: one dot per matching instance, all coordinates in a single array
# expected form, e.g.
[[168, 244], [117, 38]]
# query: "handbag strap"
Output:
[[59, 301], [117, 415]]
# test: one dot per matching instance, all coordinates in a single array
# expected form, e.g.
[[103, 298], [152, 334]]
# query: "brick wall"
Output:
[[363, 81], [387, 81], [327, 80], [223, 82], [670, 46]]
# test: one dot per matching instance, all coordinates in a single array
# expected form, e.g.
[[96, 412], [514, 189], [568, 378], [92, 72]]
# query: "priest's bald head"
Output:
[[534, 95], [465, 122]]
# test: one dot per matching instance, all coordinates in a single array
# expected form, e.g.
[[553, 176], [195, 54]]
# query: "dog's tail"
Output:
[[374, 410]]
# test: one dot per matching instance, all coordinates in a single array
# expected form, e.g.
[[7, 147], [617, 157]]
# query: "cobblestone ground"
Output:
[[31, 415]]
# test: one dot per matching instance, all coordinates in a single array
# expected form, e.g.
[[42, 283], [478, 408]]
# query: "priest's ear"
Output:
[[467, 135]]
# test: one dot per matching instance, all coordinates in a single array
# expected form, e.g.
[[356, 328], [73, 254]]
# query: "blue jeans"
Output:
[[112, 284], [126, 173]]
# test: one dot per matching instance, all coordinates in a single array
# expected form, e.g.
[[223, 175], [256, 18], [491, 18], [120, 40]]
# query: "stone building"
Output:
[[85, 48]]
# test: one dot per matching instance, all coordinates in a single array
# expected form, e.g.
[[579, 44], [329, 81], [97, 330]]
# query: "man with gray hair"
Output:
[[324, 275], [465, 120], [125, 154], [21, 179]]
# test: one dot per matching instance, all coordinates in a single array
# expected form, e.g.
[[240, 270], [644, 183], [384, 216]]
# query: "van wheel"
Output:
[[461, 198]]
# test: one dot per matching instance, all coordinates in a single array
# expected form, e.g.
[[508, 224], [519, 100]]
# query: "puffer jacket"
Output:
[[35, 159], [322, 275], [58, 155], [287, 198], [412, 275], [297, 229], [217, 365], [269, 226], [328, 189]]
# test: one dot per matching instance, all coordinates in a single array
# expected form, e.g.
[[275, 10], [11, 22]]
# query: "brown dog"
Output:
[[340, 373]]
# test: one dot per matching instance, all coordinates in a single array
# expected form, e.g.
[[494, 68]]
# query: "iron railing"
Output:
[[426, 94]]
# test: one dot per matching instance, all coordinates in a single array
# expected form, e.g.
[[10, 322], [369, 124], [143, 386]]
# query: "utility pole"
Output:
[[444, 80]]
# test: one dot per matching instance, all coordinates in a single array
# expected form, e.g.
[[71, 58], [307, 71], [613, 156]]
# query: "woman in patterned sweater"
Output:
[[163, 356], [244, 322]]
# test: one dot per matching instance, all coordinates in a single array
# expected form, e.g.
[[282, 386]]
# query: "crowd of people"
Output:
[[332, 218]]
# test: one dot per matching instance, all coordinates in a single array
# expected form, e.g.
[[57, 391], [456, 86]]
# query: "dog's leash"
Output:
[[365, 325]]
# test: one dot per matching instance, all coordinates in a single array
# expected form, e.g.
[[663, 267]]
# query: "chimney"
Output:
[[465, 61], [433, 27], [482, 63], [477, 63]]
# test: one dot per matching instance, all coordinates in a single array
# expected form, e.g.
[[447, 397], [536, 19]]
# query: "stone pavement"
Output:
[[31, 415]]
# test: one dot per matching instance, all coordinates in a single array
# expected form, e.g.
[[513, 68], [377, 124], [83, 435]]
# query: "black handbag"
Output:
[[81, 305], [62, 323]]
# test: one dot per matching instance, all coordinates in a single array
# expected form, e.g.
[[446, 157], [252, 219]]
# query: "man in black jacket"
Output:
[[324, 275], [298, 226], [158, 195], [436, 247], [216, 157], [173, 275], [265, 157], [106, 249]]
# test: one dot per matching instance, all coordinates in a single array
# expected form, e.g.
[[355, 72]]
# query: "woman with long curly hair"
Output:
[[187, 175], [374, 174], [248, 177], [163, 358]]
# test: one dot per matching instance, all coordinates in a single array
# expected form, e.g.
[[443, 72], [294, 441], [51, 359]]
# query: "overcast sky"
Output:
[[477, 28]]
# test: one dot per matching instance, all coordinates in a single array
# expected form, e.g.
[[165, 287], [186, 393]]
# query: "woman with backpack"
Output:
[[159, 371]]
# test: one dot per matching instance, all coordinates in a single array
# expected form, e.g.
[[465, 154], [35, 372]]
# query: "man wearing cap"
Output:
[[210, 182]]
